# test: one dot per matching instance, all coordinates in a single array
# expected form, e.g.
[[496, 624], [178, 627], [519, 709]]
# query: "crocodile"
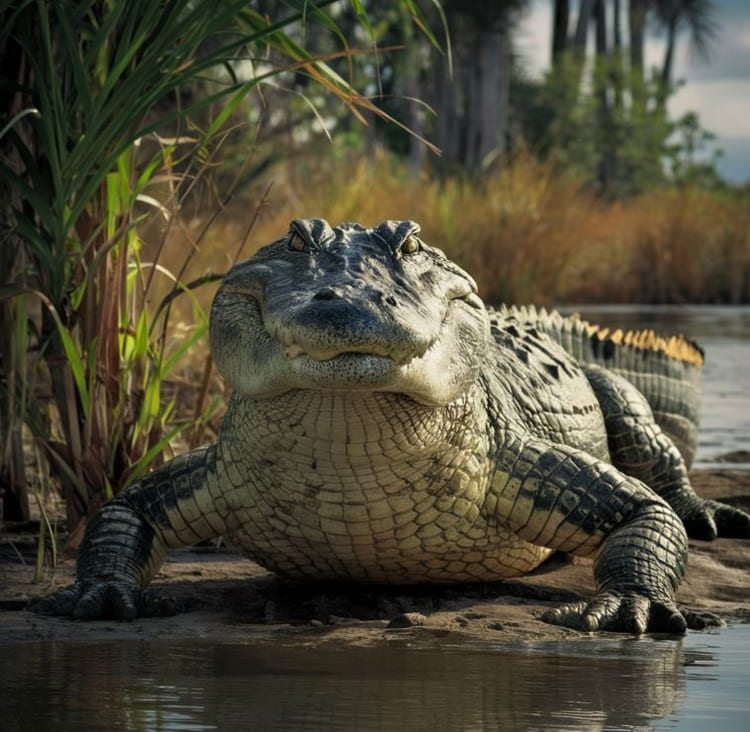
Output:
[[385, 426]]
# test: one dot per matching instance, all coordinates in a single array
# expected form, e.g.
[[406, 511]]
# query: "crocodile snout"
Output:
[[330, 324], [349, 308]]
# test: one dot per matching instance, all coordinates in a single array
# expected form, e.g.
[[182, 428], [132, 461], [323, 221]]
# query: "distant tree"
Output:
[[560, 29], [472, 106], [695, 16], [617, 24], [585, 13], [637, 30], [600, 112]]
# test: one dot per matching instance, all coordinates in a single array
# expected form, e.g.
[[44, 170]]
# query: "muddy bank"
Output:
[[224, 597]]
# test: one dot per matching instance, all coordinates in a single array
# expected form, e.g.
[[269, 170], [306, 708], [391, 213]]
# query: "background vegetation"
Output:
[[146, 146]]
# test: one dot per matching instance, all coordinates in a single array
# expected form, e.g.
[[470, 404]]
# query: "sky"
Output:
[[718, 90]]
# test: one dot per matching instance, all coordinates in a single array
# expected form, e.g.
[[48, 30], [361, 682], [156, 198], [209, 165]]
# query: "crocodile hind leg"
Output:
[[640, 448], [563, 498], [126, 541]]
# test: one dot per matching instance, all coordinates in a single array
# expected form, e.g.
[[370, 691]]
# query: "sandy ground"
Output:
[[226, 598]]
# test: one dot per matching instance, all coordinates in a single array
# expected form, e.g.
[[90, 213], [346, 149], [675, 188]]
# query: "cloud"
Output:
[[729, 57], [533, 38], [723, 106]]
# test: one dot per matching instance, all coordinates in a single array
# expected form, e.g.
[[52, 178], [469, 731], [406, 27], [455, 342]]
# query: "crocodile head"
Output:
[[349, 308]]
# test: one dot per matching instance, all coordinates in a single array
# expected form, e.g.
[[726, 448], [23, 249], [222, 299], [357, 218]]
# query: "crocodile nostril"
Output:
[[326, 293]]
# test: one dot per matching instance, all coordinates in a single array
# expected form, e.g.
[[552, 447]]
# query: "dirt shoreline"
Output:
[[229, 599]]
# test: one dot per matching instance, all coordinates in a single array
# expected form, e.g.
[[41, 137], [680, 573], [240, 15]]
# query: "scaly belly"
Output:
[[372, 489], [389, 538]]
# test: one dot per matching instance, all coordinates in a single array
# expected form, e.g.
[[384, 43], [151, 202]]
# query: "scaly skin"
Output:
[[386, 428]]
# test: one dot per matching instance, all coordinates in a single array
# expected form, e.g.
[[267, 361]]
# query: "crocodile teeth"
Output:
[[473, 301], [293, 351]]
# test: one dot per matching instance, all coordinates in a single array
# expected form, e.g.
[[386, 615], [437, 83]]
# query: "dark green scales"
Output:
[[386, 427]]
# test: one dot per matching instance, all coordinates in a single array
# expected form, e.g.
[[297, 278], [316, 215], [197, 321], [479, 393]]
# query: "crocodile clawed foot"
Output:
[[713, 519], [623, 612], [61, 602], [99, 599]]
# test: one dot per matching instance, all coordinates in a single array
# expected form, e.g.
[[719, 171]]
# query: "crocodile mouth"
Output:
[[294, 351], [345, 366], [365, 365], [348, 370], [296, 345], [289, 353], [352, 359], [380, 345]]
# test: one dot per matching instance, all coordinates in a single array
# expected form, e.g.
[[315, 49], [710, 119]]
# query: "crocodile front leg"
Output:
[[639, 447], [127, 540], [564, 499]]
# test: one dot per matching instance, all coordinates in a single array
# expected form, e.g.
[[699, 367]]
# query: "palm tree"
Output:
[[696, 16]]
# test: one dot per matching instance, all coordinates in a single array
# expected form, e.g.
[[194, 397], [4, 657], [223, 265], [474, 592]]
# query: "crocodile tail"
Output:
[[667, 371]]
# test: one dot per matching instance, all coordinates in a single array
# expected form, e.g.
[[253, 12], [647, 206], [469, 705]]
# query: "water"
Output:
[[699, 683], [724, 334], [696, 683]]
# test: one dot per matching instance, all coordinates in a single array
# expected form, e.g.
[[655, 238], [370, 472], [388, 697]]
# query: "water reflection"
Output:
[[590, 685]]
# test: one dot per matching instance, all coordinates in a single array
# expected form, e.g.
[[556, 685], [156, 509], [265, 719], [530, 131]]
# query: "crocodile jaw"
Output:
[[348, 310], [349, 370], [261, 366]]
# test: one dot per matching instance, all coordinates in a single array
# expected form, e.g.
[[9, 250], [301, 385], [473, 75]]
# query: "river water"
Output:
[[698, 683]]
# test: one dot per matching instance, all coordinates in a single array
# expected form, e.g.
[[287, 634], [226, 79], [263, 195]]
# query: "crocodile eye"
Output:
[[411, 245], [296, 242]]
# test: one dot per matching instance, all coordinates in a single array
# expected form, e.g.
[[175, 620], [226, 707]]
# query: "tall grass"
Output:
[[89, 84], [529, 233]]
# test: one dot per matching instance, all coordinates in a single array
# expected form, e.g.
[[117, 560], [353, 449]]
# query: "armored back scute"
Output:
[[667, 371]]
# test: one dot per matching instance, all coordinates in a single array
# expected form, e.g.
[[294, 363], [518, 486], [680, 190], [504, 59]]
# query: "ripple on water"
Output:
[[607, 682]]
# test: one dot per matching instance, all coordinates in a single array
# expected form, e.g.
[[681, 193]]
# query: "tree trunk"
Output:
[[666, 69], [472, 108], [560, 29], [637, 25], [616, 68], [617, 25], [446, 106], [580, 42], [409, 69], [582, 26], [601, 81], [489, 116], [600, 15]]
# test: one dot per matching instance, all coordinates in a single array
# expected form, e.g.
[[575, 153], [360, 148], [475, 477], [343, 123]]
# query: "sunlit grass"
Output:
[[81, 166]]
